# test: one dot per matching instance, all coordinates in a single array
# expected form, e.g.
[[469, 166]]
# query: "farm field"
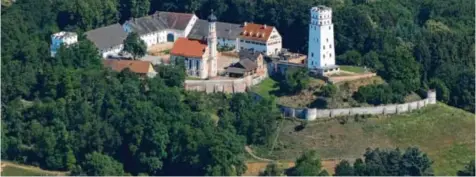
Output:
[[445, 133]]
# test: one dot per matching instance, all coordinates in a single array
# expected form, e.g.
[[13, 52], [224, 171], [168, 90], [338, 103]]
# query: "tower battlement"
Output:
[[321, 15]]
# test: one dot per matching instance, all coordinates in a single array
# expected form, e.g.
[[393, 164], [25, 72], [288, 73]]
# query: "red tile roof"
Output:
[[256, 32], [140, 67], [188, 48]]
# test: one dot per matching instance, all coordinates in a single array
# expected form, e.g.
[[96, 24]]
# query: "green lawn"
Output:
[[355, 69], [445, 133], [266, 87], [192, 78]]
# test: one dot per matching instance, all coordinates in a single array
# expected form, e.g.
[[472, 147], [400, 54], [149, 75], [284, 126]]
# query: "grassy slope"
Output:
[[266, 87], [11, 169], [354, 69], [445, 133]]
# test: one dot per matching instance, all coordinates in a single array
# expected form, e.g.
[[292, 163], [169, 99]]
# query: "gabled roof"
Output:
[[147, 24], [178, 21], [247, 64], [107, 37], [224, 30], [249, 54], [188, 48], [235, 70], [136, 66], [256, 32]]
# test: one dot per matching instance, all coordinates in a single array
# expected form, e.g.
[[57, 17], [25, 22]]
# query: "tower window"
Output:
[[329, 27], [312, 54], [330, 46], [323, 56], [324, 47], [330, 55], [327, 39]]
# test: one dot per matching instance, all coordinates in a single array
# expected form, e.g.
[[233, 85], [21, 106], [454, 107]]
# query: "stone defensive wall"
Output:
[[230, 85], [314, 113]]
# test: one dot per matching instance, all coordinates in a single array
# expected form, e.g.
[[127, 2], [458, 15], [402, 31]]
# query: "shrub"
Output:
[[329, 90]]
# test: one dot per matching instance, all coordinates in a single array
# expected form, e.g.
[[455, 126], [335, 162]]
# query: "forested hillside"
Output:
[[69, 113]]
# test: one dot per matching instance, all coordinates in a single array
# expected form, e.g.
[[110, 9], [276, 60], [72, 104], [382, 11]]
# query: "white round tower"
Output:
[[321, 51], [212, 44]]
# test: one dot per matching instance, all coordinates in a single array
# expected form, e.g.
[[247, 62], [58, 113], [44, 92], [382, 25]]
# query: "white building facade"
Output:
[[62, 38], [260, 38], [321, 53], [161, 27]]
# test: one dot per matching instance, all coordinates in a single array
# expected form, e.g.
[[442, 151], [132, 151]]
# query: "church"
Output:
[[200, 58]]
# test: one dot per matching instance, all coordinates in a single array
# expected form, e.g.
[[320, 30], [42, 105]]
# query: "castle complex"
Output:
[[197, 41]]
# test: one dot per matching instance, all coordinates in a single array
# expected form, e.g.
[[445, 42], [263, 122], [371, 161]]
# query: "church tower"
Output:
[[212, 45], [321, 53]]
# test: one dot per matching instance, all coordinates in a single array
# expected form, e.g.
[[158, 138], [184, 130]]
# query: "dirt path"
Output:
[[248, 149], [32, 168]]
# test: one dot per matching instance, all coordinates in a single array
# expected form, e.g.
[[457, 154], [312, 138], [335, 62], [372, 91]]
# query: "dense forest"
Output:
[[70, 113]]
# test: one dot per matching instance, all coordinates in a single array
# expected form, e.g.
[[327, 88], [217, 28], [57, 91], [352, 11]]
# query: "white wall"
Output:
[[150, 39], [195, 67], [274, 44], [245, 44], [112, 51], [229, 42]]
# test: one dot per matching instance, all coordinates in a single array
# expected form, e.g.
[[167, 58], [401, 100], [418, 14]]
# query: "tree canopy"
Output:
[[309, 164], [135, 45], [377, 162]]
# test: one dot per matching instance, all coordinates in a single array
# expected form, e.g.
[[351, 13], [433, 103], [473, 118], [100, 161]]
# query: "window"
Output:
[[312, 54], [329, 27], [327, 39], [324, 47], [330, 46], [330, 55], [323, 56]]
